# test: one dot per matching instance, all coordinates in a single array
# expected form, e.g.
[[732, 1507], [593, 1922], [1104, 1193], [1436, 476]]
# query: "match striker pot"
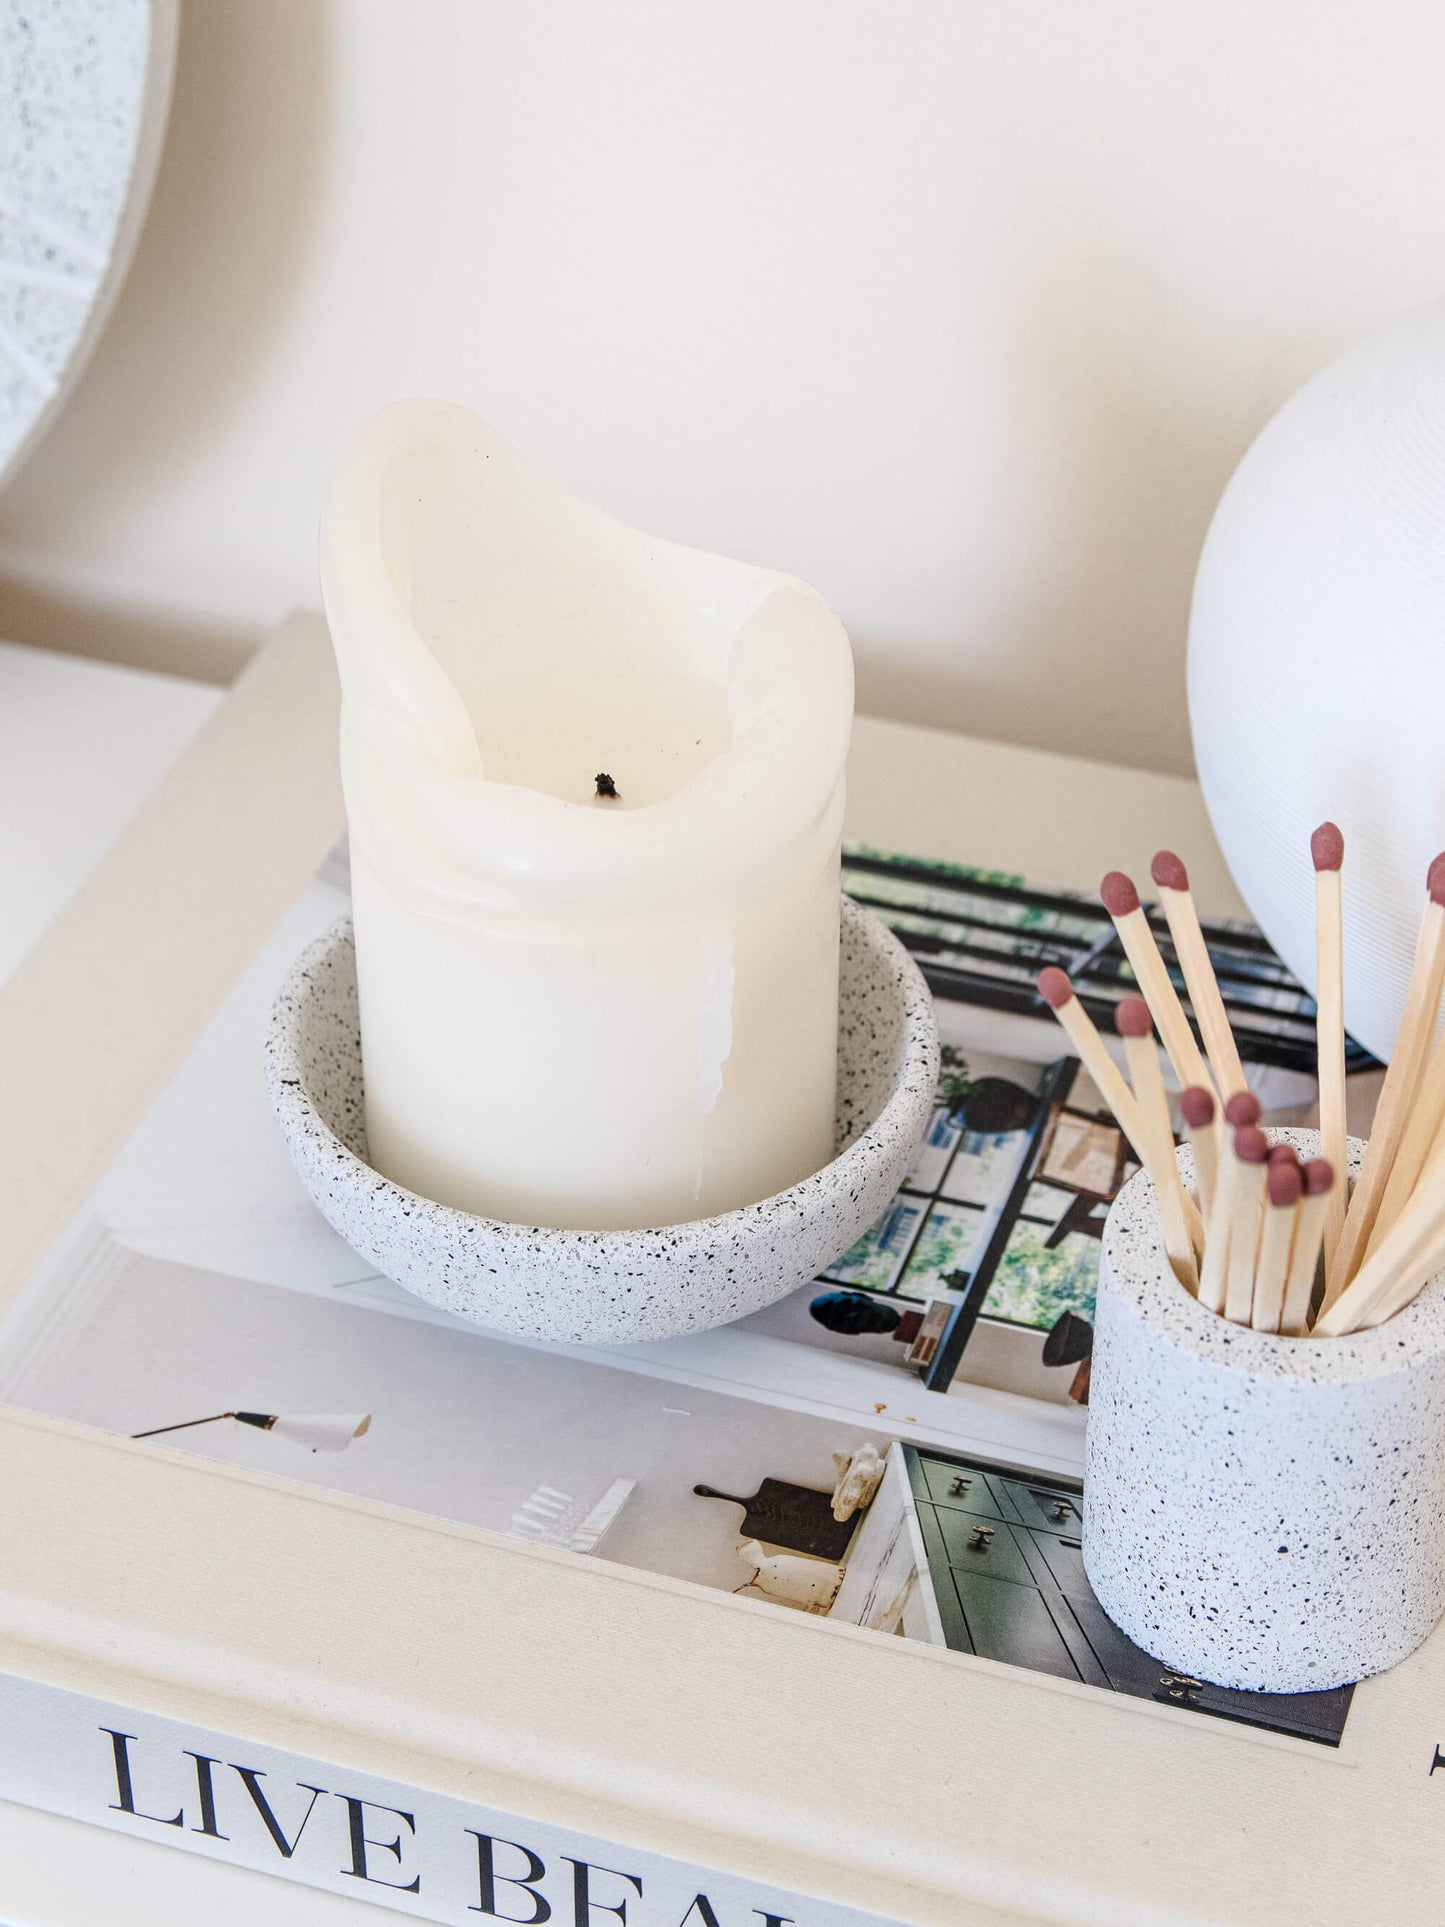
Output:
[[1261, 1512]]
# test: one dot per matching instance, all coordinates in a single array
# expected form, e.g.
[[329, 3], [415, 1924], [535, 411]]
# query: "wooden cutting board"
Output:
[[793, 1516]]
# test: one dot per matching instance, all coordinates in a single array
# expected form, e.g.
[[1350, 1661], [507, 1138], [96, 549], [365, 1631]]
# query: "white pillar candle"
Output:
[[577, 1011]]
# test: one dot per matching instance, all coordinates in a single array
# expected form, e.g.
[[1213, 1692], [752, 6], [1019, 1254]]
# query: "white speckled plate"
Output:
[[610, 1287], [84, 91]]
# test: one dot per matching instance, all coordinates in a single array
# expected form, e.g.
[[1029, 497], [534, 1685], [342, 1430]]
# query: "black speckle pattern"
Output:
[[75, 102], [613, 1287], [1260, 1512]]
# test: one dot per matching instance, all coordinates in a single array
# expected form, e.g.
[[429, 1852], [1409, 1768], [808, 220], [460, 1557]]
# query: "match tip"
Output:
[[1251, 1146], [1120, 896], [1435, 879], [1131, 1017], [1197, 1106], [1319, 1176], [1241, 1109], [1169, 872], [1285, 1183], [1327, 847], [1055, 988], [1283, 1154]]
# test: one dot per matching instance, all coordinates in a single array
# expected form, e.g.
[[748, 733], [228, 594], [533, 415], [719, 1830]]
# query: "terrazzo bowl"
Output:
[[1260, 1512], [613, 1287]]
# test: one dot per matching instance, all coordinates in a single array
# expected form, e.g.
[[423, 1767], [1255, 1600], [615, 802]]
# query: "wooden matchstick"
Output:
[[1283, 1184], [1422, 1131], [1429, 1258], [1121, 900], [1411, 1234], [1177, 901], [1246, 1188], [1242, 1109], [1135, 1027], [1197, 1107], [1304, 1258], [1412, 1042], [1059, 994], [1327, 849], [1214, 1271]]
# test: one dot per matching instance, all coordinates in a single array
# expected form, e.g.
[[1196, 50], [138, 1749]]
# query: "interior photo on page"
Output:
[[886, 1447]]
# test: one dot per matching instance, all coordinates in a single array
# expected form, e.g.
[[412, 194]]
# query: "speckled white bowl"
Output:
[[613, 1287], [1260, 1512]]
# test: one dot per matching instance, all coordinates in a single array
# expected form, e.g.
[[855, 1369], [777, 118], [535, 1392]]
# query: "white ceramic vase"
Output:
[[1260, 1512], [1317, 659]]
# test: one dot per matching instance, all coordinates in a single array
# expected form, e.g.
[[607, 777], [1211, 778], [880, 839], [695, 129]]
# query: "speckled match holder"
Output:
[[1260, 1512], [610, 1287]]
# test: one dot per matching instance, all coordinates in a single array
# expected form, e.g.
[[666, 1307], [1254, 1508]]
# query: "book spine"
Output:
[[419, 1852]]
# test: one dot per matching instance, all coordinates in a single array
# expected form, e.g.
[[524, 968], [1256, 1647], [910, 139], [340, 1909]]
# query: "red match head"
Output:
[[1242, 1108], [1319, 1176], [1327, 847], [1251, 1146], [1285, 1183], [1169, 872], [1120, 896], [1435, 879], [1283, 1154], [1131, 1017], [1055, 988], [1197, 1106]]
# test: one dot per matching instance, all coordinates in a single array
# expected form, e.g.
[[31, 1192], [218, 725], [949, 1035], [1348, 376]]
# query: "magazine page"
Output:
[[886, 1447]]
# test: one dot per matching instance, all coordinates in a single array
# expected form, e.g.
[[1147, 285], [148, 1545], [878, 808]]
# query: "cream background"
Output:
[[962, 312]]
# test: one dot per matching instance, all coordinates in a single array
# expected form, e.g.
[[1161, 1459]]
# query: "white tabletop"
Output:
[[81, 745]]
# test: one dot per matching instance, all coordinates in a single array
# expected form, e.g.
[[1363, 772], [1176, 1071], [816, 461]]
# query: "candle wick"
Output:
[[605, 784]]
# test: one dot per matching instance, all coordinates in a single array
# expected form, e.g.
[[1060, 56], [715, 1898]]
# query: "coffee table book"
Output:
[[454, 1723]]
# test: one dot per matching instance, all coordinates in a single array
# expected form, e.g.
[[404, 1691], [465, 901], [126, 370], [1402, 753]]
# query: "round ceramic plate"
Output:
[[612, 1287], [84, 91]]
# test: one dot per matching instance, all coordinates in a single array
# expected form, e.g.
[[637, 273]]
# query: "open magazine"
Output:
[[886, 1446]]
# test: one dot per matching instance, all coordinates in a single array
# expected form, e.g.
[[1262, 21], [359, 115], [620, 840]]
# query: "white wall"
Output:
[[962, 309]]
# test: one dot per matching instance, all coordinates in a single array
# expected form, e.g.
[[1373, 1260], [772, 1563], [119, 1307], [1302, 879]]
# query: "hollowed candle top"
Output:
[[500, 642]]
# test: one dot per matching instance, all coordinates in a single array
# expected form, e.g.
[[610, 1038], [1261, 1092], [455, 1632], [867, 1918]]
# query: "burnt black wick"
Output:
[[605, 784]]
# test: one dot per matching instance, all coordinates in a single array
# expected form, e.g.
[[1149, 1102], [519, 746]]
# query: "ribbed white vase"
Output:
[[1317, 659]]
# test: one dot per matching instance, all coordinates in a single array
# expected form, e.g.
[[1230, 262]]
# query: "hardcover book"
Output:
[[784, 1621], [888, 1448]]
